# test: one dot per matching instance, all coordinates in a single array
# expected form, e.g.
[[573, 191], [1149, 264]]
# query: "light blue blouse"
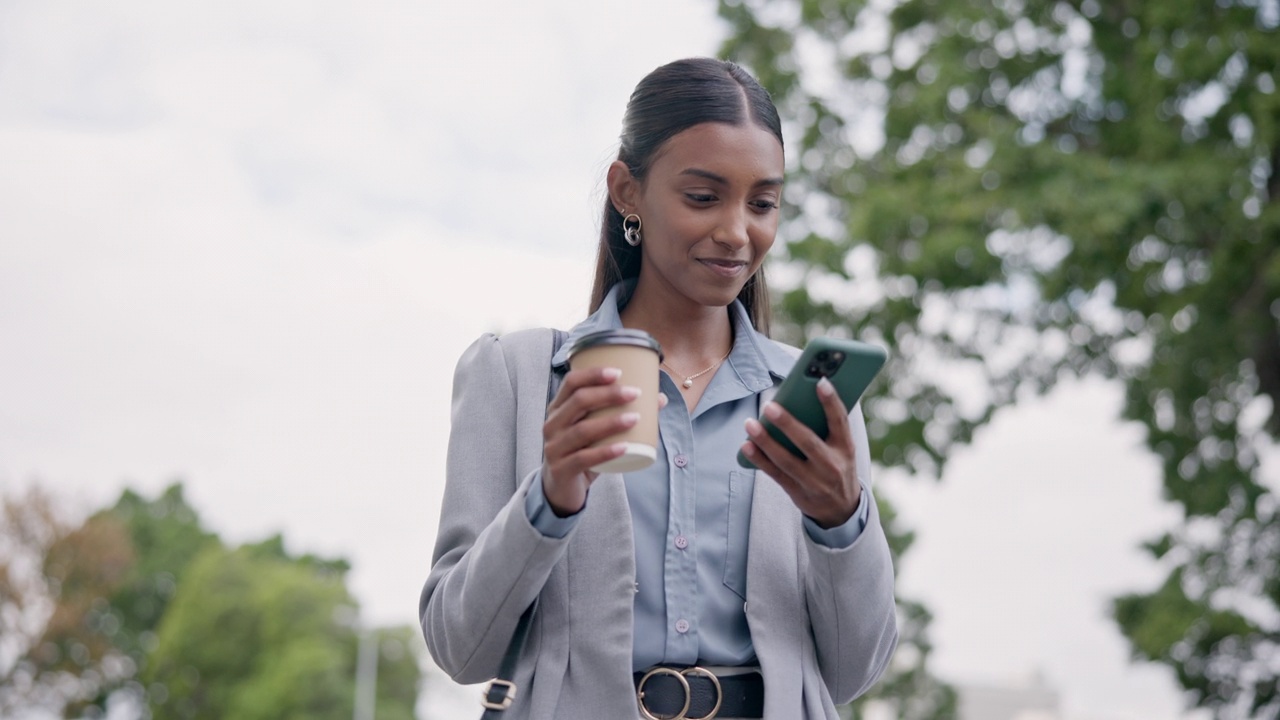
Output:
[[690, 509]]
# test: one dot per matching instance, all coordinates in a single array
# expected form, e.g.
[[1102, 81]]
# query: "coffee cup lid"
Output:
[[619, 336]]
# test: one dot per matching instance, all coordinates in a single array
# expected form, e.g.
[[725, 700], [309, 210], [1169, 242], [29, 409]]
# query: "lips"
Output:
[[724, 267]]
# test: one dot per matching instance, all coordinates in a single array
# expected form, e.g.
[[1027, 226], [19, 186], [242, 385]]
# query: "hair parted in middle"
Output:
[[669, 100]]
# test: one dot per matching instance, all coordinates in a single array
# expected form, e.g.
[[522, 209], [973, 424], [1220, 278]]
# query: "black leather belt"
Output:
[[696, 693]]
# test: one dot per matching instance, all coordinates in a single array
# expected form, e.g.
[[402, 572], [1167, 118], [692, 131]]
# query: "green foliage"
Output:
[[1007, 192], [251, 635], [168, 535], [146, 603]]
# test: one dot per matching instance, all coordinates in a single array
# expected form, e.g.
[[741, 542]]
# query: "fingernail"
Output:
[[825, 387], [772, 411], [748, 449], [630, 392], [611, 373], [618, 448], [753, 427], [630, 418]]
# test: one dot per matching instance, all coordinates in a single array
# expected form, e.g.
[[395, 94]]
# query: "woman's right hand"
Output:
[[568, 434]]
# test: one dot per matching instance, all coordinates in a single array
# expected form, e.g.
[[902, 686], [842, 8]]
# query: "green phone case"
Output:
[[798, 393]]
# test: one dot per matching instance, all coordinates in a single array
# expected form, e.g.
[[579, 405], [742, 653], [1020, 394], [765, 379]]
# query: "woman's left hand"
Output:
[[824, 485]]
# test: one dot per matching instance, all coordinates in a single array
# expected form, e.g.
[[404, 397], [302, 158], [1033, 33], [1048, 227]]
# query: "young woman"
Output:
[[692, 588]]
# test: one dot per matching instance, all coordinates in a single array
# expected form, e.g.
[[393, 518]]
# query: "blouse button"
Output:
[[682, 626], [682, 542], [681, 461]]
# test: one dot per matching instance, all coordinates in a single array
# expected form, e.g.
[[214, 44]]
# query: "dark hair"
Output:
[[669, 100]]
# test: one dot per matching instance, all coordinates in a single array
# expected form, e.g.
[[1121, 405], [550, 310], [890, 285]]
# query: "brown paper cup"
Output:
[[637, 355]]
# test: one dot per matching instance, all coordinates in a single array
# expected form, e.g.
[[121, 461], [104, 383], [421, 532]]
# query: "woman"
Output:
[[770, 593]]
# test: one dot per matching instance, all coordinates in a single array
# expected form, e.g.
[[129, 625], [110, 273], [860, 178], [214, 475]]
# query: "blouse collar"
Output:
[[756, 359]]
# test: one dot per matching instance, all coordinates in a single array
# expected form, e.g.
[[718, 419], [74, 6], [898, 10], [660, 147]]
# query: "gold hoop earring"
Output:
[[631, 233]]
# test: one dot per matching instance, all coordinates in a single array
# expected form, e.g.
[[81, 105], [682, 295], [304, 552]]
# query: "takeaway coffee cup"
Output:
[[637, 355]]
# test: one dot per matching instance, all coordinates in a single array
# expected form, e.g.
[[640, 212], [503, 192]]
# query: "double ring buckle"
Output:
[[688, 696]]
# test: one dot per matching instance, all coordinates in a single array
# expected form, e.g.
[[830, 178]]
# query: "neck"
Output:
[[692, 336]]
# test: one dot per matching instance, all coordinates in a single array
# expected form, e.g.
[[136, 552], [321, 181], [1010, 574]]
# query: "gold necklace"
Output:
[[688, 381]]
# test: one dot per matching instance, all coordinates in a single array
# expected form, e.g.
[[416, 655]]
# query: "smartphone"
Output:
[[850, 365]]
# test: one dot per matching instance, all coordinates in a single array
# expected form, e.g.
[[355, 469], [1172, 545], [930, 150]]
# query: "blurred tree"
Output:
[[142, 607], [56, 629], [254, 633], [167, 535], [1008, 192]]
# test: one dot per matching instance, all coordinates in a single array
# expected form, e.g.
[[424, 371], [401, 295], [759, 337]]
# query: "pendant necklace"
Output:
[[688, 381]]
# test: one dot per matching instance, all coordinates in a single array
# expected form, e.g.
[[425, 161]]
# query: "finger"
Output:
[[580, 463], [816, 487], [804, 438], [575, 380], [567, 482], [766, 464], [779, 457], [808, 442], [566, 441], [585, 400], [837, 416]]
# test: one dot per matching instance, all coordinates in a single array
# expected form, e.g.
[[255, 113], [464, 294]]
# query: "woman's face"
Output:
[[709, 205]]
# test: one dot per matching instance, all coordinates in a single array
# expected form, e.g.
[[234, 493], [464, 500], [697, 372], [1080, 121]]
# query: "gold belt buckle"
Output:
[[715, 681], [688, 696]]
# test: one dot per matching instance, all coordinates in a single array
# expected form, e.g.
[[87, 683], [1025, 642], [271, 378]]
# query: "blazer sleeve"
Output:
[[850, 597], [489, 562]]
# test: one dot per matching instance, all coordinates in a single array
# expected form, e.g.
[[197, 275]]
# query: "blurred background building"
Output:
[[1034, 699]]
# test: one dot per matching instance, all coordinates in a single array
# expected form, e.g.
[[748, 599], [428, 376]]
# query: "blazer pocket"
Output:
[[741, 484]]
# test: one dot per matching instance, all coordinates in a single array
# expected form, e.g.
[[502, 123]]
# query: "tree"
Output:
[[56, 631], [250, 634], [140, 604], [1009, 192], [254, 633], [166, 534]]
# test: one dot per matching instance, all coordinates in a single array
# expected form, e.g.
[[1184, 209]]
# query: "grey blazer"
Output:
[[822, 621]]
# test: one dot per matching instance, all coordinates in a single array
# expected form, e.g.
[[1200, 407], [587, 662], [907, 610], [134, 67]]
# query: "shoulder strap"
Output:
[[553, 382]]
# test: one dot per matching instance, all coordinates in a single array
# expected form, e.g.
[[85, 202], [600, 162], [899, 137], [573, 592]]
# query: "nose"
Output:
[[732, 230]]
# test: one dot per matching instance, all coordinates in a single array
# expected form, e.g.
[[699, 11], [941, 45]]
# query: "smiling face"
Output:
[[709, 204]]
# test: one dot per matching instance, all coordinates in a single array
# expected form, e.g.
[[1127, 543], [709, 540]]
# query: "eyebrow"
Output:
[[697, 172]]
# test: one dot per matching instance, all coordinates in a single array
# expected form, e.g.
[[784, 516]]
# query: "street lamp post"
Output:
[[366, 675]]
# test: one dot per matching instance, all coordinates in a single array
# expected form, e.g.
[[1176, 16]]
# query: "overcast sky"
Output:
[[242, 244]]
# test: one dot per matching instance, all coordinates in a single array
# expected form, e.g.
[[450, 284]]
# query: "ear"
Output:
[[624, 189]]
